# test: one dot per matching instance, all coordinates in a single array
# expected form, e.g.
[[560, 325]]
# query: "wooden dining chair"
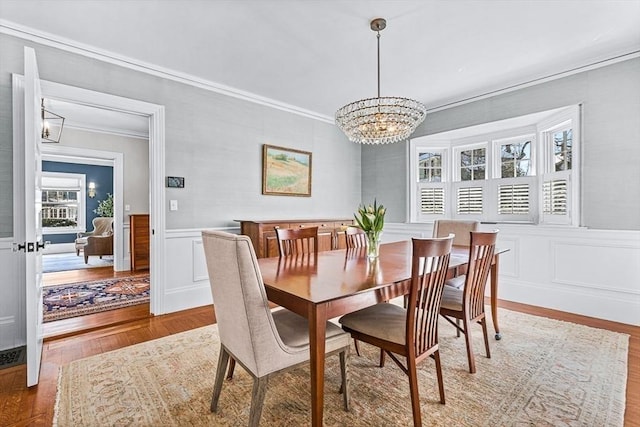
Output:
[[262, 341], [461, 229], [296, 241], [355, 237], [411, 333], [467, 304]]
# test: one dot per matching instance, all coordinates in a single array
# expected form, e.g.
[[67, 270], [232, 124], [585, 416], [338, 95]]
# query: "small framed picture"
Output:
[[175, 182], [286, 172]]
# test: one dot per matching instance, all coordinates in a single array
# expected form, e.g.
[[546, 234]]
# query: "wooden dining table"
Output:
[[329, 284]]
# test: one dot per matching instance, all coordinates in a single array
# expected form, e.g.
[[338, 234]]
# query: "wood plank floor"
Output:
[[22, 406]]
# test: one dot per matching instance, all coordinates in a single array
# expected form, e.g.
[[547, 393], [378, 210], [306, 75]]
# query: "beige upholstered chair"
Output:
[[412, 332], [99, 241], [461, 228], [467, 304], [295, 241], [261, 341]]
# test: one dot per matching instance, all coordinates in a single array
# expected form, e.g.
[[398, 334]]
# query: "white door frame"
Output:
[[156, 169], [61, 153]]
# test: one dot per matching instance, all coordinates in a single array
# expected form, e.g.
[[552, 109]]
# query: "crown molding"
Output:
[[73, 46], [598, 64]]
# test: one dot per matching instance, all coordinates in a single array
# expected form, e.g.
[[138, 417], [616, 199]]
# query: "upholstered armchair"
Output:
[[97, 242]]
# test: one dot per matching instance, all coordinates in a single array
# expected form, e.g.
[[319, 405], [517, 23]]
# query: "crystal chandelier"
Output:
[[380, 120]]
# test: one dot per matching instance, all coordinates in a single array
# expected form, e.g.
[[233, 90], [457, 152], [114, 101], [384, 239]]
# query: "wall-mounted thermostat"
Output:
[[175, 182]]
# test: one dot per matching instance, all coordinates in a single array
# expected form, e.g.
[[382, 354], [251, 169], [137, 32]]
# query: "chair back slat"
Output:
[[296, 241], [355, 238], [481, 253], [428, 274]]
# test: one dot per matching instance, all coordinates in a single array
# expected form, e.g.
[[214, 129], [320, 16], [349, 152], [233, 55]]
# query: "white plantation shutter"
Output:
[[469, 200], [432, 201], [556, 198], [513, 199]]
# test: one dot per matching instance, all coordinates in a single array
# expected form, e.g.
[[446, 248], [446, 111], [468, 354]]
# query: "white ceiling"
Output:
[[319, 55]]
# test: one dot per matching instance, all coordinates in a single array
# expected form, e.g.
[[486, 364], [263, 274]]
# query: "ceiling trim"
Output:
[[555, 76], [73, 46], [16, 30]]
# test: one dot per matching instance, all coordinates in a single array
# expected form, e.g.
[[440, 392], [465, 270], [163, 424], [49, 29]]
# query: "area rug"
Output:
[[542, 373], [77, 299], [70, 261]]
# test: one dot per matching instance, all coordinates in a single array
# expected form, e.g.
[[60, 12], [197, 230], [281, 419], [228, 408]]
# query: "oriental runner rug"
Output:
[[542, 373], [78, 299]]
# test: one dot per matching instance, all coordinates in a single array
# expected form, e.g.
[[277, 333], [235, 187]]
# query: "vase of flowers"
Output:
[[371, 220]]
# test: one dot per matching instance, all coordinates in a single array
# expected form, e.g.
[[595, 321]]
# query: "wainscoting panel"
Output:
[[12, 303], [598, 262], [187, 280]]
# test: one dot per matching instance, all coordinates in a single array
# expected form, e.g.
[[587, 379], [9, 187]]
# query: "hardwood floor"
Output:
[[20, 406]]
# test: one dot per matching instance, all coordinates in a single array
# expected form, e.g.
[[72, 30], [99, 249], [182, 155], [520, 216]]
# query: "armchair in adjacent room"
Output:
[[97, 242]]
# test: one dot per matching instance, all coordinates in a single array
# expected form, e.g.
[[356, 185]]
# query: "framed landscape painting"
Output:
[[286, 172]]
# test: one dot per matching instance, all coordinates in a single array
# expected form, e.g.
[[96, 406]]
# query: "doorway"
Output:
[[78, 289], [154, 116]]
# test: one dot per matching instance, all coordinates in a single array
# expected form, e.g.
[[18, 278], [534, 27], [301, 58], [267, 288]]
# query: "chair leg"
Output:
[[413, 390], [486, 337], [382, 358], [355, 343], [257, 400], [344, 373], [232, 367], [223, 360], [86, 258], [467, 338], [436, 356], [458, 330]]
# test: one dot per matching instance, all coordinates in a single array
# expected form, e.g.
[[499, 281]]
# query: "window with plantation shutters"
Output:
[[517, 170]]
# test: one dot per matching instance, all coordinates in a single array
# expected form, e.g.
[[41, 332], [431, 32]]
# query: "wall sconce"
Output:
[[92, 189], [51, 125]]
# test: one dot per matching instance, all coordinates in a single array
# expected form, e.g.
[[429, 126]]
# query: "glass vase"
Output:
[[373, 245]]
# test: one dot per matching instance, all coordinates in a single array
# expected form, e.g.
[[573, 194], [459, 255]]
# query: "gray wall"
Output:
[[610, 141], [212, 140]]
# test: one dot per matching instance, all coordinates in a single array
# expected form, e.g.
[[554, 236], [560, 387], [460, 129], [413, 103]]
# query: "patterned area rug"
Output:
[[77, 299], [542, 373]]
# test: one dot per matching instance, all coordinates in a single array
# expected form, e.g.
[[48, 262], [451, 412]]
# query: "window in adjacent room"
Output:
[[63, 202]]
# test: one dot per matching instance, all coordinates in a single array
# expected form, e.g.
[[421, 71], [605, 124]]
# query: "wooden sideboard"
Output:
[[139, 241], [265, 242]]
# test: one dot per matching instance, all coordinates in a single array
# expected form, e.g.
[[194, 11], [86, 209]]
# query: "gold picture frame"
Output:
[[285, 171]]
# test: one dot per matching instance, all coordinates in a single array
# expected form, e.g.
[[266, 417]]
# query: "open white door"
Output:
[[29, 237]]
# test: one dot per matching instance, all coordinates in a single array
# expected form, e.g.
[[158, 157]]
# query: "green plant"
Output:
[[105, 207], [371, 218]]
